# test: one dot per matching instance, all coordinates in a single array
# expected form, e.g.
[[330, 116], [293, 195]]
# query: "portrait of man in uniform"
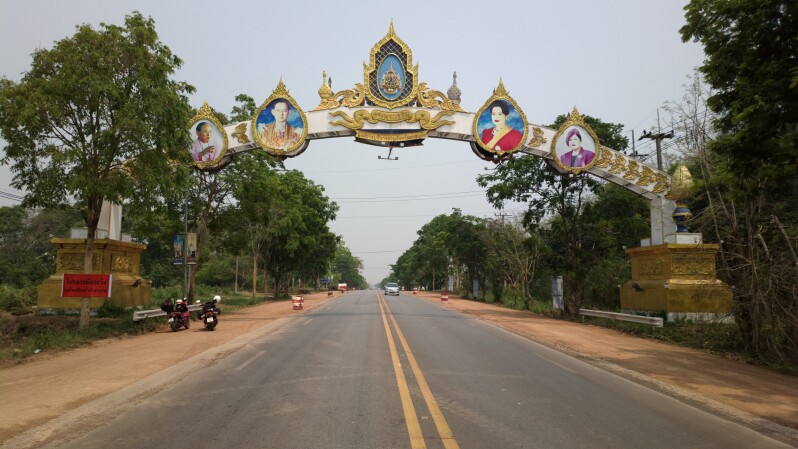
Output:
[[280, 128]]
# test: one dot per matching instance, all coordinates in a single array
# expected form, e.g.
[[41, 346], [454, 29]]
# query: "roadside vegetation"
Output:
[[24, 333]]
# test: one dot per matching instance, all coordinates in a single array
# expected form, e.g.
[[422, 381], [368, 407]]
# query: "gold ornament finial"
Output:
[[575, 114], [500, 91], [280, 89], [325, 92], [205, 109], [682, 183]]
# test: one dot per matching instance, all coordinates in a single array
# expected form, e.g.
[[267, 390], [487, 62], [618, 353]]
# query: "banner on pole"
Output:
[[191, 248], [86, 286], [177, 246]]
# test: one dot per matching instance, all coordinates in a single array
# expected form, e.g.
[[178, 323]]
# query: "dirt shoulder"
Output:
[[50, 385]]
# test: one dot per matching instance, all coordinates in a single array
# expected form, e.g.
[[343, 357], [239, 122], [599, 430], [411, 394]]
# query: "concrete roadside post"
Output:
[[556, 293]]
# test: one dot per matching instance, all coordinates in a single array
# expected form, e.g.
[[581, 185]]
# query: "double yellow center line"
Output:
[[411, 418]]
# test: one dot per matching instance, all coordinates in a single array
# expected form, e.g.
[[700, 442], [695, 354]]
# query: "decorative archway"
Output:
[[391, 108]]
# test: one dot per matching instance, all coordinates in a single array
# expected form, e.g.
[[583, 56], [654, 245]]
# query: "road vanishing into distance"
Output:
[[369, 371]]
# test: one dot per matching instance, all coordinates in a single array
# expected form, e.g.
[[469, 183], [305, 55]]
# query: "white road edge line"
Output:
[[249, 360]]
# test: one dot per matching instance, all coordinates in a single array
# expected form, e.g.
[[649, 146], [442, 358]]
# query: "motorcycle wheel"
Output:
[[174, 325]]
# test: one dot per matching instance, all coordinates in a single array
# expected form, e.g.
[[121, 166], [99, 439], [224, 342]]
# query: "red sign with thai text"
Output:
[[86, 286]]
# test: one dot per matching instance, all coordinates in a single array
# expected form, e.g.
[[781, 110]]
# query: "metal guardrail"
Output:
[[139, 315], [654, 321]]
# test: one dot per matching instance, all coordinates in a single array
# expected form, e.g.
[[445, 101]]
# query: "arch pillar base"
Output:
[[121, 259], [677, 279]]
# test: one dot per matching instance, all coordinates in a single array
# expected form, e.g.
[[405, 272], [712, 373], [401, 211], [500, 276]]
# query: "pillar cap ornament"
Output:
[[681, 185], [454, 92]]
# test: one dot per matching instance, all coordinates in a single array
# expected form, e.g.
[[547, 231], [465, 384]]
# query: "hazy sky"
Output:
[[618, 60]]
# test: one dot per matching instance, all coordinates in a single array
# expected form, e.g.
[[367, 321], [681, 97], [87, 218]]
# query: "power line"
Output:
[[409, 196], [390, 169], [408, 199], [378, 252], [657, 138], [11, 196]]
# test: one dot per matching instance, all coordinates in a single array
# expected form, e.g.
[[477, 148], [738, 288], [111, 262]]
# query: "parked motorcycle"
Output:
[[178, 316], [209, 314]]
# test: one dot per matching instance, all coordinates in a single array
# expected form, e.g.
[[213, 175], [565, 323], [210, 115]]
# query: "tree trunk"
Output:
[[266, 285], [92, 218], [254, 274]]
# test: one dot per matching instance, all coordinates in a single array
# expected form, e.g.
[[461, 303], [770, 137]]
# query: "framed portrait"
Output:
[[208, 138], [575, 145], [279, 125], [178, 249], [500, 127], [191, 248]]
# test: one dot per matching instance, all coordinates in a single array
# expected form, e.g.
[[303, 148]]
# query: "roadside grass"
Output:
[[717, 338], [23, 334]]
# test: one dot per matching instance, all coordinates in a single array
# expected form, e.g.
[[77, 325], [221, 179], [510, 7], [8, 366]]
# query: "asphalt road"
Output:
[[367, 371]]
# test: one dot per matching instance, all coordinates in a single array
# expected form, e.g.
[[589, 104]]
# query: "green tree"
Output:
[[556, 200], [615, 219], [26, 255], [513, 258], [347, 267], [447, 245], [747, 175], [244, 110], [302, 229], [751, 48], [97, 118], [258, 209], [285, 220]]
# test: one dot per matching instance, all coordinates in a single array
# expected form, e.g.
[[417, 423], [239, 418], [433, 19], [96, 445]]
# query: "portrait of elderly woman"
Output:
[[576, 156], [500, 136]]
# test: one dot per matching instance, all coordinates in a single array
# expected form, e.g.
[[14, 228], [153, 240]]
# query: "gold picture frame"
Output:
[[280, 136], [504, 137], [208, 135], [575, 131]]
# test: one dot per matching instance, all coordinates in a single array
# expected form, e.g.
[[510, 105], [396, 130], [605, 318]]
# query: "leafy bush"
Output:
[[16, 300]]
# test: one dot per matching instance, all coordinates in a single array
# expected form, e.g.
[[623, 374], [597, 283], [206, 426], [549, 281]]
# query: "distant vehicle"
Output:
[[342, 287], [392, 288]]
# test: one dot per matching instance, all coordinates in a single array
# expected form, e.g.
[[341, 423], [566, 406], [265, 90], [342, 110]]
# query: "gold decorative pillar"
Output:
[[121, 259], [678, 279]]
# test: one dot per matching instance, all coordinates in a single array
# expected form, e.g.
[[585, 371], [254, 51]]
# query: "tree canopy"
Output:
[[97, 117], [751, 64], [746, 161]]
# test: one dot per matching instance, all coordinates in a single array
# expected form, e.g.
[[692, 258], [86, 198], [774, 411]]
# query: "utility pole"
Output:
[[658, 138], [185, 259], [502, 215]]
